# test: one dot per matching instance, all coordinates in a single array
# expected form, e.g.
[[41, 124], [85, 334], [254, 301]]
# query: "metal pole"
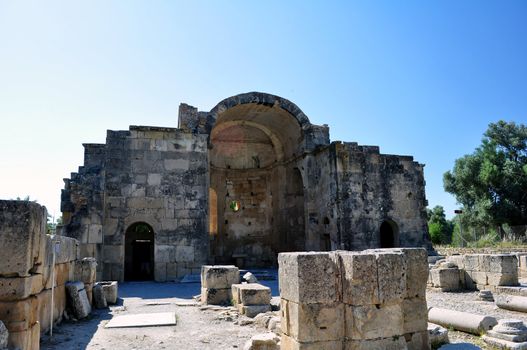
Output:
[[461, 231], [52, 288]]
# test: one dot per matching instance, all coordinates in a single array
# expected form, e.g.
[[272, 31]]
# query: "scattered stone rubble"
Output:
[[110, 291], [437, 335], [485, 295], [374, 299], [251, 299]]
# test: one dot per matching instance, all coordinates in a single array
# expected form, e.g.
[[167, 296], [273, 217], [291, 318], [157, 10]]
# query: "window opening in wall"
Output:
[[234, 205]]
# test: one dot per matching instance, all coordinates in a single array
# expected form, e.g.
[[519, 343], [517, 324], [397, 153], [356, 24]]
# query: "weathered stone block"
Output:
[[172, 274], [309, 277], [28, 339], [89, 292], [374, 321], [253, 310], [477, 277], [164, 253], [359, 278], [391, 270], [472, 262], [251, 294], [417, 340], [392, 343], [184, 253], [415, 315], [266, 341], [95, 233], [160, 272], [113, 254], [4, 335], [16, 288], [219, 276], [214, 296], [312, 322], [415, 260], [289, 343], [446, 279], [154, 179], [503, 263], [63, 273], [458, 260], [110, 290], [99, 301], [78, 299], [502, 279], [44, 306], [176, 164], [85, 270], [19, 315], [22, 225]]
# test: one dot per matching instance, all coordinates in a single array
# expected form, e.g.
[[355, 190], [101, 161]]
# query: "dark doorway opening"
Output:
[[139, 253], [389, 235]]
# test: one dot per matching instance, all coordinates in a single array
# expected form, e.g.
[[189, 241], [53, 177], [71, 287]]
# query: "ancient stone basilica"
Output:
[[239, 184]]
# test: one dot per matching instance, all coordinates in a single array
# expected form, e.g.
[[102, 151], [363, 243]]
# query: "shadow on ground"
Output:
[[74, 334]]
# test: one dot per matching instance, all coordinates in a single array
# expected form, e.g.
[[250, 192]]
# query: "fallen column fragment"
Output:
[[461, 321], [512, 302]]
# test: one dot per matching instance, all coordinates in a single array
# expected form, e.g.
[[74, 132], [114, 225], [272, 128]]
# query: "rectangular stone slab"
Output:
[[251, 294], [143, 320]]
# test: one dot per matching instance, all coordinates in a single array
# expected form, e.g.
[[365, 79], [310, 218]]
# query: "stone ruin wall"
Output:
[[374, 299], [161, 176], [475, 272], [26, 270], [374, 187], [151, 175]]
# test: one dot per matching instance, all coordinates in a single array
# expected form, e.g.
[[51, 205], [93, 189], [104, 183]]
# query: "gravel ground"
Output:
[[469, 302], [196, 328]]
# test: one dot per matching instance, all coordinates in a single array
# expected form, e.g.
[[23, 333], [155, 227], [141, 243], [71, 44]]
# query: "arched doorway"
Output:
[[139, 252], [389, 234]]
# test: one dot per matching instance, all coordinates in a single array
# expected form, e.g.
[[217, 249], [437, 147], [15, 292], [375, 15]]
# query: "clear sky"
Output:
[[416, 78]]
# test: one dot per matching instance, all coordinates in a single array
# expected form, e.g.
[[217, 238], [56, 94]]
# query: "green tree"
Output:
[[491, 183], [439, 227]]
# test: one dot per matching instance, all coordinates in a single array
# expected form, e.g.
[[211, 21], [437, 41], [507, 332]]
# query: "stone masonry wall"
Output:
[[373, 188], [25, 273], [374, 299], [157, 176], [476, 272]]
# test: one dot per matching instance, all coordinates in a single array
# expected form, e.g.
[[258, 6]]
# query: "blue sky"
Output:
[[417, 78]]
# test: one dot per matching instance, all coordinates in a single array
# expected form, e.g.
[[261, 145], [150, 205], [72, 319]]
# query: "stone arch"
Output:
[[388, 234], [261, 98], [139, 252], [255, 151]]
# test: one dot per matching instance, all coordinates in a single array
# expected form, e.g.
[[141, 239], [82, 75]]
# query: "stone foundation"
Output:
[[475, 272], [26, 272], [374, 299]]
